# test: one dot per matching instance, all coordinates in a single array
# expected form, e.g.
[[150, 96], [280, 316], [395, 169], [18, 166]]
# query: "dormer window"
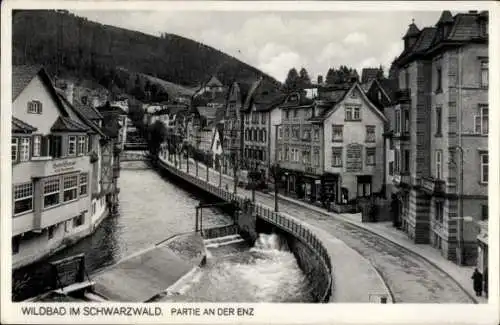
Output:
[[34, 107]]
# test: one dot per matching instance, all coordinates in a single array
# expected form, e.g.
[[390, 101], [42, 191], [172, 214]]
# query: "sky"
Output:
[[274, 42]]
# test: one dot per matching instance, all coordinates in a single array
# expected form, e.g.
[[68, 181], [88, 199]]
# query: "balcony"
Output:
[[432, 186], [403, 95], [39, 167]]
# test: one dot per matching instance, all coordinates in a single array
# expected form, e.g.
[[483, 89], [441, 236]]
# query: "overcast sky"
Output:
[[277, 41]]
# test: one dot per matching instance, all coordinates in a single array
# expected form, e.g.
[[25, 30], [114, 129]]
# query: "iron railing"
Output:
[[281, 221]]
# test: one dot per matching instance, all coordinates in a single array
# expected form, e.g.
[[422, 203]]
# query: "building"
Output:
[[53, 173], [261, 117], [441, 133], [332, 146], [233, 126]]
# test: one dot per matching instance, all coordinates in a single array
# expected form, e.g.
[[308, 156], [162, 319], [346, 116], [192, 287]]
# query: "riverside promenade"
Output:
[[410, 274]]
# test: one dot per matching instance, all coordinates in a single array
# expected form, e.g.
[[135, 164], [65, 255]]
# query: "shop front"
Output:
[[329, 185]]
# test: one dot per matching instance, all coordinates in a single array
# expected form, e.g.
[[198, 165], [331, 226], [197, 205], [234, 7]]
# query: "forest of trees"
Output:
[[67, 44], [342, 75]]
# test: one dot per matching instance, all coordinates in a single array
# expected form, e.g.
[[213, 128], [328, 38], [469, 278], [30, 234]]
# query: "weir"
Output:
[[252, 218]]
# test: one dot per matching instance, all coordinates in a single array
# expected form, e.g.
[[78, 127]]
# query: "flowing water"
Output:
[[153, 208], [267, 272]]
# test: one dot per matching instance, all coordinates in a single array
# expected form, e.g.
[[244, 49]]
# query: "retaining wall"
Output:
[[311, 255]]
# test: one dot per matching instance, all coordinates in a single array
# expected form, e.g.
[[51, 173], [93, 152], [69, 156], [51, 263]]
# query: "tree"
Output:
[[330, 76], [304, 79], [292, 80], [157, 134]]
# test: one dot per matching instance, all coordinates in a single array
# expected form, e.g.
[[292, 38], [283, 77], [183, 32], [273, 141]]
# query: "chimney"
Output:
[[320, 79], [69, 91]]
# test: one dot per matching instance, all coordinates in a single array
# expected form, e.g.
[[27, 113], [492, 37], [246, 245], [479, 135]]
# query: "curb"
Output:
[[339, 216]]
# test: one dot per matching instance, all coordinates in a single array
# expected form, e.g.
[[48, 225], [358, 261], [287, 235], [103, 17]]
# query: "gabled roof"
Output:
[[446, 17], [389, 87], [465, 27], [412, 31], [65, 124], [213, 82], [19, 126], [81, 113], [22, 76], [269, 103], [365, 98]]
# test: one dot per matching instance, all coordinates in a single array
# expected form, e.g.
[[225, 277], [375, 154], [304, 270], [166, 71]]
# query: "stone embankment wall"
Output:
[[311, 255]]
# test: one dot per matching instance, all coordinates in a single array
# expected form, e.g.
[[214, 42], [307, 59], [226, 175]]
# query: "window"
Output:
[[37, 145], [370, 156], [439, 211], [316, 157], [51, 190], [34, 107], [287, 153], [407, 161], [391, 168], [280, 154], [484, 73], [83, 184], [406, 120], [23, 198], [397, 161], [296, 132], [14, 149], [439, 121], [51, 231], [306, 134], [295, 112], [24, 150], [484, 167], [316, 134], [56, 146], [337, 157], [352, 113], [263, 118], [398, 121], [484, 212], [70, 187], [439, 164], [370, 133], [71, 145], [337, 133], [280, 132], [246, 119], [78, 221], [439, 77], [287, 113], [306, 157], [264, 137], [287, 132], [16, 242], [81, 145], [481, 120]]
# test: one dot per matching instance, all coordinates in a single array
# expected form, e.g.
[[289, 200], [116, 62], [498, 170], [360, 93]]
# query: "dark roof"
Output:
[[412, 31], [21, 77], [65, 124], [464, 28], [89, 112], [176, 109], [82, 112], [19, 126], [268, 103], [445, 18], [368, 74], [110, 108], [289, 101], [390, 86]]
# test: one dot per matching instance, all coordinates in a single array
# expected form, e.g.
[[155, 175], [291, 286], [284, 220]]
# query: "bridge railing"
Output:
[[296, 229]]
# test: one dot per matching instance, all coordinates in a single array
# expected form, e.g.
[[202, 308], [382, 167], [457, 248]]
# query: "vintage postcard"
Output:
[[249, 162]]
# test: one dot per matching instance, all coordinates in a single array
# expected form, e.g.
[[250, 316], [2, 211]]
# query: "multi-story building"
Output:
[[441, 133], [53, 173], [332, 146], [261, 116], [233, 126]]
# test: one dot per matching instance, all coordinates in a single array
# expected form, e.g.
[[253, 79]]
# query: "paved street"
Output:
[[410, 278]]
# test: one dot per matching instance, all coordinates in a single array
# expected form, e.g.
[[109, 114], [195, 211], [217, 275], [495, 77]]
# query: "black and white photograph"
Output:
[[167, 156]]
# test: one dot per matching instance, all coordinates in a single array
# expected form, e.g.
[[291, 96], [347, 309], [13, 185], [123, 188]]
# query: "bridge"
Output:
[[128, 155]]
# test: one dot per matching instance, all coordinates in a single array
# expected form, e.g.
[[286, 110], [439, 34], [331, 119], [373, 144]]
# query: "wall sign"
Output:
[[64, 166], [354, 158]]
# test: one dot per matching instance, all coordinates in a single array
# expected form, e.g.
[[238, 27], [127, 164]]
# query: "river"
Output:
[[153, 208]]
